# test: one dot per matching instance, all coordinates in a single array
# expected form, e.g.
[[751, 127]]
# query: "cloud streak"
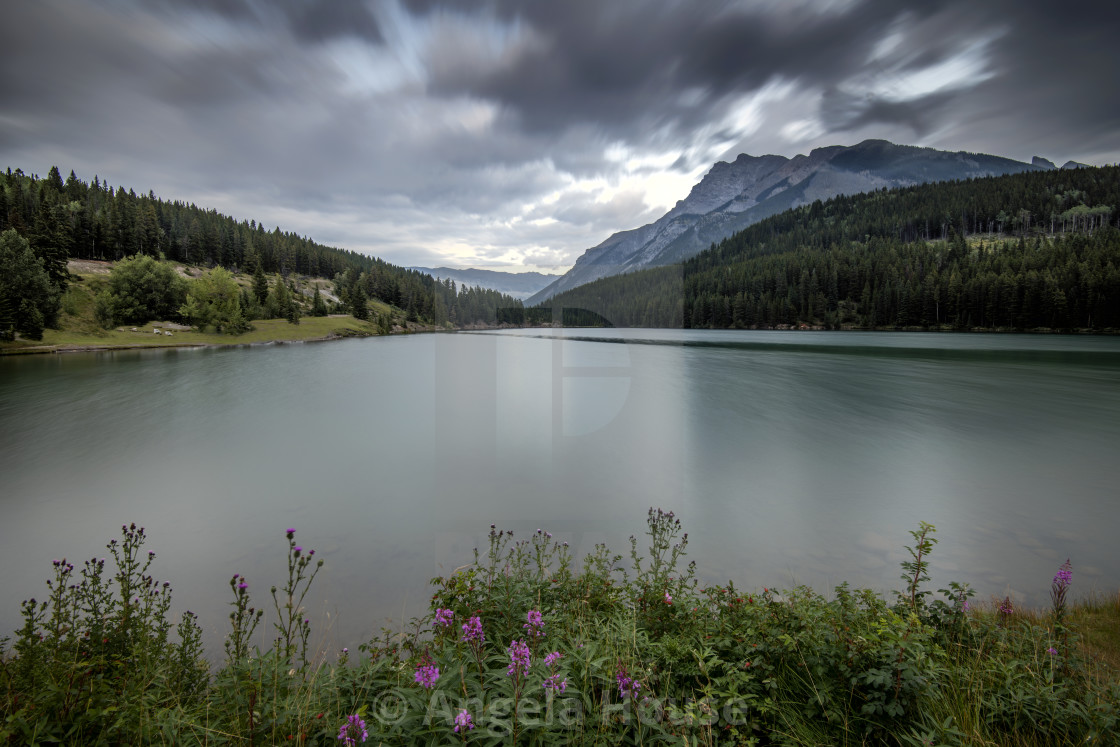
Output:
[[513, 134]]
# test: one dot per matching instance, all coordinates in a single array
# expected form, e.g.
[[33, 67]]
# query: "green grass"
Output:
[[78, 328], [1098, 622]]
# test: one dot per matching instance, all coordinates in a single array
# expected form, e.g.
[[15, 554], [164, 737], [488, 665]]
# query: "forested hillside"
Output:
[[60, 220], [1025, 251]]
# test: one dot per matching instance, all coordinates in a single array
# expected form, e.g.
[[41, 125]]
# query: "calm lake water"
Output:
[[791, 458]]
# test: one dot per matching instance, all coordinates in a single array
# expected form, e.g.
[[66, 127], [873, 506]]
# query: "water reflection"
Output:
[[791, 458]]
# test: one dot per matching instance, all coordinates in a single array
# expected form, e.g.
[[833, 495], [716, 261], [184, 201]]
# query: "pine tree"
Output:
[[260, 283], [318, 306], [279, 300], [358, 304]]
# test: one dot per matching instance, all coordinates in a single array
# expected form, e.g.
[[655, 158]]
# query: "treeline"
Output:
[[59, 220], [1025, 251], [422, 297]]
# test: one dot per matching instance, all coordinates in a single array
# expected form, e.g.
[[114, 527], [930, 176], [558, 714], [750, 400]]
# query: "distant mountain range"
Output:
[[519, 285], [735, 195]]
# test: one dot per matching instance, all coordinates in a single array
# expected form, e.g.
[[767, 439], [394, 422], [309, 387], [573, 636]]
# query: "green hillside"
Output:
[[1026, 251]]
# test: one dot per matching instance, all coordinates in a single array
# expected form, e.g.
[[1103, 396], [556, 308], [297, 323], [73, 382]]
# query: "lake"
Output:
[[790, 457]]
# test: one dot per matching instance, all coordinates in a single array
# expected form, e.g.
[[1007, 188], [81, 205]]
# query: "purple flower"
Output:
[[472, 631], [627, 686], [1006, 607], [463, 720], [427, 674], [535, 624], [298, 549], [289, 531], [668, 598], [551, 658], [555, 683], [1065, 574], [444, 617], [353, 731], [518, 658], [1052, 651], [243, 585]]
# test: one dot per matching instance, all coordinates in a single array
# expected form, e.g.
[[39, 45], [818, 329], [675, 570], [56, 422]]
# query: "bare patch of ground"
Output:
[[89, 267]]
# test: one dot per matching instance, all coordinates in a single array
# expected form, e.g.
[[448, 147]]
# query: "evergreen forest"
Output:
[[46, 222]]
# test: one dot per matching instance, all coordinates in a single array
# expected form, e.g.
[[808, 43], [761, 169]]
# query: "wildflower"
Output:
[[297, 549], [1052, 651], [444, 617], [1005, 607], [627, 686], [518, 658], [535, 624], [472, 631], [289, 531], [353, 731], [243, 585], [427, 674], [555, 683], [1065, 574], [551, 658], [463, 720], [668, 598]]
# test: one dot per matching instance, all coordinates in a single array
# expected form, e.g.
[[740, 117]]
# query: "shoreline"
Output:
[[65, 348]]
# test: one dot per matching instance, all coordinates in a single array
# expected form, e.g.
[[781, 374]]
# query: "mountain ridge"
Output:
[[519, 285], [734, 195]]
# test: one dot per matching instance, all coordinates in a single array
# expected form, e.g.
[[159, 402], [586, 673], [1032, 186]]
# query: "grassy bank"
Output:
[[527, 646], [78, 328]]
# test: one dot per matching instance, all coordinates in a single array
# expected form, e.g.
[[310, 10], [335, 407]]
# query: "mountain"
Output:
[[735, 195], [1028, 251], [519, 285]]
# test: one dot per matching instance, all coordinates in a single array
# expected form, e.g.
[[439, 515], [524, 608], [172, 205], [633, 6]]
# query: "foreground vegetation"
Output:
[[523, 647]]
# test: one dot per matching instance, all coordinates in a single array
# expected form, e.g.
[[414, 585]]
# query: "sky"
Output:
[[515, 135]]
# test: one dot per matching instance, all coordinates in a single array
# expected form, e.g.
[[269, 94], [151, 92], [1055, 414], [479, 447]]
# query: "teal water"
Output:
[[791, 458]]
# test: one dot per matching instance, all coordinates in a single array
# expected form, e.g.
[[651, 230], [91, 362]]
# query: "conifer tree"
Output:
[[318, 306], [260, 282], [358, 303]]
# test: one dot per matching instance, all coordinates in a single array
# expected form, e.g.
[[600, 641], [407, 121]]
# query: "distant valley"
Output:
[[519, 285]]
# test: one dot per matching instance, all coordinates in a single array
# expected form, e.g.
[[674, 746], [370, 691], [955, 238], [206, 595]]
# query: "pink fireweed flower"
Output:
[[627, 686], [353, 731], [535, 624], [427, 674], [1052, 651], [463, 720], [472, 631], [1065, 574], [518, 658], [555, 683], [444, 617], [552, 658]]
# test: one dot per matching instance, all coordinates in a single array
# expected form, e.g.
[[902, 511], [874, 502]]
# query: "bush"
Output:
[[140, 289]]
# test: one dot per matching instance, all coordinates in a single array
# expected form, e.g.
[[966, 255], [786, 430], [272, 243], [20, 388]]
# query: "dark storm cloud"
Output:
[[529, 127], [613, 63]]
